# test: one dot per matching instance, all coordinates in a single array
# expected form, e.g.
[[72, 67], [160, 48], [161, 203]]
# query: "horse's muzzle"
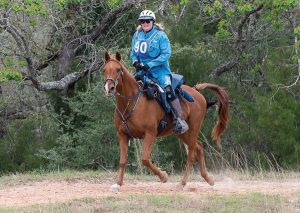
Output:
[[109, 88]]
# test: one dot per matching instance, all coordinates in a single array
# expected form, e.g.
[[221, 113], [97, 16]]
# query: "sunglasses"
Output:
[[145, 21]]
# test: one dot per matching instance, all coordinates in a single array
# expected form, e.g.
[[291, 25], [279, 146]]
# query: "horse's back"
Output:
[[194, 110], [198, 97]]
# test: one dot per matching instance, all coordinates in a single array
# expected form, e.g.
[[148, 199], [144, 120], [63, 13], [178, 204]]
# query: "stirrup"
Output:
[[180, 126]]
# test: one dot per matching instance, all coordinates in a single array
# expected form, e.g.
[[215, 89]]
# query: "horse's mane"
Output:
[[113, 58]]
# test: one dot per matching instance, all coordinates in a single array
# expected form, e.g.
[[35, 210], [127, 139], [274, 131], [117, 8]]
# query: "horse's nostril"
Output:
[[112, 89]]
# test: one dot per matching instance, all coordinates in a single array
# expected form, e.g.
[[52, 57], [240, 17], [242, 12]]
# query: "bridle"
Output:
[[136, 97], [115, 81]]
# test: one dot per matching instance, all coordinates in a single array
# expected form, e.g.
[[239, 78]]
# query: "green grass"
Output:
[[255, 202]]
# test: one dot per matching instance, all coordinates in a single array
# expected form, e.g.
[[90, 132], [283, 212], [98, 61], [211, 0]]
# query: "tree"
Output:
[[248, 27], [43, 33]]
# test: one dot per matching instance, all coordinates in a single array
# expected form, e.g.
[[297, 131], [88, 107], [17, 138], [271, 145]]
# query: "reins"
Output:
[[136, 97]]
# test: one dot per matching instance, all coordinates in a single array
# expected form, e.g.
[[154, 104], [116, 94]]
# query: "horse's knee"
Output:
[[122, 165], [192, 156], [146, 162]]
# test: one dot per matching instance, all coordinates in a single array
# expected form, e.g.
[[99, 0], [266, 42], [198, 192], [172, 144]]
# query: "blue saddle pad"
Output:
[[176, 80]]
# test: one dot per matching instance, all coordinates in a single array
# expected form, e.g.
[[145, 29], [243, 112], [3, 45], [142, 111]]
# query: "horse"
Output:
[[136, 116]]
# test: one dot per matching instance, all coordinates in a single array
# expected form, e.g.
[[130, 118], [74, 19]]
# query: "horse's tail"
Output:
[[223, 101]]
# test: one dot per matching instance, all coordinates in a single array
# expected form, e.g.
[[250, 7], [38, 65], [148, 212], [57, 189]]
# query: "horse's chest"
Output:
[[136, 126], [139, 124]]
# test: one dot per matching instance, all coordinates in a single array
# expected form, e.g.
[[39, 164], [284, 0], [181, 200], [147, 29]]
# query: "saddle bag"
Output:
[[151, 91]]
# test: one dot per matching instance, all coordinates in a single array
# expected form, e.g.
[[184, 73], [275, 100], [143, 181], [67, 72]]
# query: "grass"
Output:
[[179, 202], [255, 202], [104, 176], [20, 178]]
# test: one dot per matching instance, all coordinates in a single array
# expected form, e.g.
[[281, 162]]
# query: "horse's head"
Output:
[[112, 71]]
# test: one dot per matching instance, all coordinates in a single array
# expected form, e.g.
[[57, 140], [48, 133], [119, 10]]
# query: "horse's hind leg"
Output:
[[202, 166], [147, 149], [190, 161]]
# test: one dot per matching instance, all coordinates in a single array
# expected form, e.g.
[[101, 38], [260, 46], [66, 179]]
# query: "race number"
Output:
[[142, 47]]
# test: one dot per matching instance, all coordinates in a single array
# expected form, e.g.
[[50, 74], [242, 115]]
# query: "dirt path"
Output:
[[61, 191]]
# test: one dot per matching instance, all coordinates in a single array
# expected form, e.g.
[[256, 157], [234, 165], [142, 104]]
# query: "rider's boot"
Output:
[[179, 124]]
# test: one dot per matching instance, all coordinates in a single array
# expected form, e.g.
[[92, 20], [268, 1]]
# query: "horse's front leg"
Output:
[[147, 149], [123, 144]]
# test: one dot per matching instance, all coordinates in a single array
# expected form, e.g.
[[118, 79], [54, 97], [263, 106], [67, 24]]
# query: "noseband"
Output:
[[115, 81]]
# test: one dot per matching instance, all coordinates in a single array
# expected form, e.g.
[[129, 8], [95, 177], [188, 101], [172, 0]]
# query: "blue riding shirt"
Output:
[[153, 49]]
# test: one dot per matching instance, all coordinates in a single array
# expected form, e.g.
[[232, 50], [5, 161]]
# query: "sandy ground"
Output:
[[46, 191]]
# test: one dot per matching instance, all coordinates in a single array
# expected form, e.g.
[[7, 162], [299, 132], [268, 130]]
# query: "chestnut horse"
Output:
[[138, 117]]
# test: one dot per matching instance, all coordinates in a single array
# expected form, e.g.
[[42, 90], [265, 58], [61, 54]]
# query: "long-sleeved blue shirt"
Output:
[[153, 49]]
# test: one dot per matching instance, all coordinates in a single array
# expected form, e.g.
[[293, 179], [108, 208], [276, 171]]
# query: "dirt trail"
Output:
[[50, 191]]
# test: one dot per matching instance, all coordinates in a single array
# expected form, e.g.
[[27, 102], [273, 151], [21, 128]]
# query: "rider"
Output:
[[150, 55]]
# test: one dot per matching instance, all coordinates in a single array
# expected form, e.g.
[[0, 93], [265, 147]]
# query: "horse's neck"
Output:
[[128, 89]]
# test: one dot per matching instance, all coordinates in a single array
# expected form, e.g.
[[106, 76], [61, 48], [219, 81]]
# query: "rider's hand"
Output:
[[145, 67], [137, 65]]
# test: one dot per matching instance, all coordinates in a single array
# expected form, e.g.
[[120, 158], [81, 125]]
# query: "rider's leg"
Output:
[[179, 124]]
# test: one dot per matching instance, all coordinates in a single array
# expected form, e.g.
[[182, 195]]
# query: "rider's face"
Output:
[[146, 25]]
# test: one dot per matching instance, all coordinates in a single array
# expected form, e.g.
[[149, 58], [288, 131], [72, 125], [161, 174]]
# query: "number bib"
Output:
[[142, 46]]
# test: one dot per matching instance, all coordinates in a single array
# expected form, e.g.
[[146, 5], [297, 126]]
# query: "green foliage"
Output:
[[10, 69], [274, 10], [218, 5], [63, 3], [4, 3], [223, 32], [244, 8], [114, 3], [191, 62], [7, 74], [297, 30], [184, 2], [254, 137], [209, 10], [190, 30], [264, 119], [87, 135], [30, 7], [19, 147]]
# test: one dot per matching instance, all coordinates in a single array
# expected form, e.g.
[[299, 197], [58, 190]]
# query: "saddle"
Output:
[[153, 90]]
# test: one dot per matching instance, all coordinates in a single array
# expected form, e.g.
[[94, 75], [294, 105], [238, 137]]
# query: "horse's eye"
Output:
[[119, 69]]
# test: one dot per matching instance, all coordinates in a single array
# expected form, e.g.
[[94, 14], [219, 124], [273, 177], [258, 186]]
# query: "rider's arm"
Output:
[[165, 51]]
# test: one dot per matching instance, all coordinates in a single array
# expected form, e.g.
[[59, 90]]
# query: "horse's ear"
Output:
[[106, 56], [118, 56]]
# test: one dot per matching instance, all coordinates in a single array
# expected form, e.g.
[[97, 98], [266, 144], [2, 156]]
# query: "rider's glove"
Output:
[[137, 65], [145, 67]]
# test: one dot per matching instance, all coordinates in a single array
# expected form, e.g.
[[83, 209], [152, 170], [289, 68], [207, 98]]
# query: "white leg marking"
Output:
[[115, 187]]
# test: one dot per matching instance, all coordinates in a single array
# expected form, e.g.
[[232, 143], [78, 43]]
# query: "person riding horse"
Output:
[[150, 55]]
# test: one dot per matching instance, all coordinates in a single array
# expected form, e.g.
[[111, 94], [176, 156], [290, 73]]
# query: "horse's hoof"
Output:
[[210, 180], [164, 179], [115, 187]]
